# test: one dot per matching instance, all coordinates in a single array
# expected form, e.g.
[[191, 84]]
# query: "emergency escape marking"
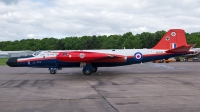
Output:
[[81, 55], [173, 34], [138, 56], [167, 38]]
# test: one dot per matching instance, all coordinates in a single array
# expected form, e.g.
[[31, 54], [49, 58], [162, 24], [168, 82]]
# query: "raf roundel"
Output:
[[81, 55], [138, 56]]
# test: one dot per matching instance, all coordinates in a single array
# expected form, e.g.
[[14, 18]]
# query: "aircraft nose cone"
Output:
[[12, 62]]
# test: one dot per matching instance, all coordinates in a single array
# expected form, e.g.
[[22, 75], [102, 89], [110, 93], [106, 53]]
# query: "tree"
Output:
[[101, 40], [60, 45], [132, 42], [127, 40]]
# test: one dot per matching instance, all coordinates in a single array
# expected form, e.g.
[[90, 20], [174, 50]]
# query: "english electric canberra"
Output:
[[172, 44]]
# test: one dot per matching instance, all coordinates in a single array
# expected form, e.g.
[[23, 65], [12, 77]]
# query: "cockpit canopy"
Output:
[[45, 53], [36, 53]]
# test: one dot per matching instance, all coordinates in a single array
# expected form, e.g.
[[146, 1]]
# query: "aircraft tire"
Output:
[[94, 69], [87, 72], [53, 71]]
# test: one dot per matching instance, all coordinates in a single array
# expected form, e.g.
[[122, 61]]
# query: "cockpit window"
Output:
[[36, 53]]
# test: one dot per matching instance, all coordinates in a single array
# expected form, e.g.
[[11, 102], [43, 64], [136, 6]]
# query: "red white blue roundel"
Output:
[[138, 56]]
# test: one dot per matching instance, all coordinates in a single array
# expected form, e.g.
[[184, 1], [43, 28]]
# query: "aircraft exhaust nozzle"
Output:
[[12, 62]]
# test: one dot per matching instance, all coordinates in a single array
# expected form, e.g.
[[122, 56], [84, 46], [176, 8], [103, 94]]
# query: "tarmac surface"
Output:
[[148, 87]]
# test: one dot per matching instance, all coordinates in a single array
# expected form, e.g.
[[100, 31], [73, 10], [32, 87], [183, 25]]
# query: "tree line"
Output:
[[127, 40]]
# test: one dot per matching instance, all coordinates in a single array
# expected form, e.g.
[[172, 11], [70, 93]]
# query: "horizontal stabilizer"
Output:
[[181, 49], [193, 45]]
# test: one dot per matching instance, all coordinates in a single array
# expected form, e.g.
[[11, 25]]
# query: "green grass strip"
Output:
[[3, 61]]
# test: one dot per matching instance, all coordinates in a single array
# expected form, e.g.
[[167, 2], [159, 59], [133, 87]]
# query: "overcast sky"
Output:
[[23, 19]]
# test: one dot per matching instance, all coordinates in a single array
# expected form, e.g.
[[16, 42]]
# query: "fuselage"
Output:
[[45, 59]]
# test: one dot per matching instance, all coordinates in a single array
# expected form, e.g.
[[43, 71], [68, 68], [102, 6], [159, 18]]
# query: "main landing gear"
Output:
[[88, 69]]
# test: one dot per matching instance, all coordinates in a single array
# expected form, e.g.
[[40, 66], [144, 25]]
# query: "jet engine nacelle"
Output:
[[89, 57]]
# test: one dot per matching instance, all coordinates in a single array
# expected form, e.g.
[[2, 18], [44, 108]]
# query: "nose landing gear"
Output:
[[54, 70]]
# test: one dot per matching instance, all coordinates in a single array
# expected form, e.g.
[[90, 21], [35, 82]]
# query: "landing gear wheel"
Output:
[[87, 72], [53, 71], [94, 69], [161, 61]]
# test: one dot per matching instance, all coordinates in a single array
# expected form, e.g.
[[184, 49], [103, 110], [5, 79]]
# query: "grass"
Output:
[[3, 61]]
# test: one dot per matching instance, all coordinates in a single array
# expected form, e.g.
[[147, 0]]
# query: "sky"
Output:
[[24, 19]]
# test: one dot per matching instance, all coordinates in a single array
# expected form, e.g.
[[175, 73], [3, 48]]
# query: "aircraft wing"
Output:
[[181, 49], [83, 56]]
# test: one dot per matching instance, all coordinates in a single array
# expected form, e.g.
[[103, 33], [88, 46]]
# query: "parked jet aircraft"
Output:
[[172, 44], [195, 55]]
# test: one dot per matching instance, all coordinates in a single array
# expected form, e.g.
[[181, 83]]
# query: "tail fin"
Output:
[[172, 39]]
